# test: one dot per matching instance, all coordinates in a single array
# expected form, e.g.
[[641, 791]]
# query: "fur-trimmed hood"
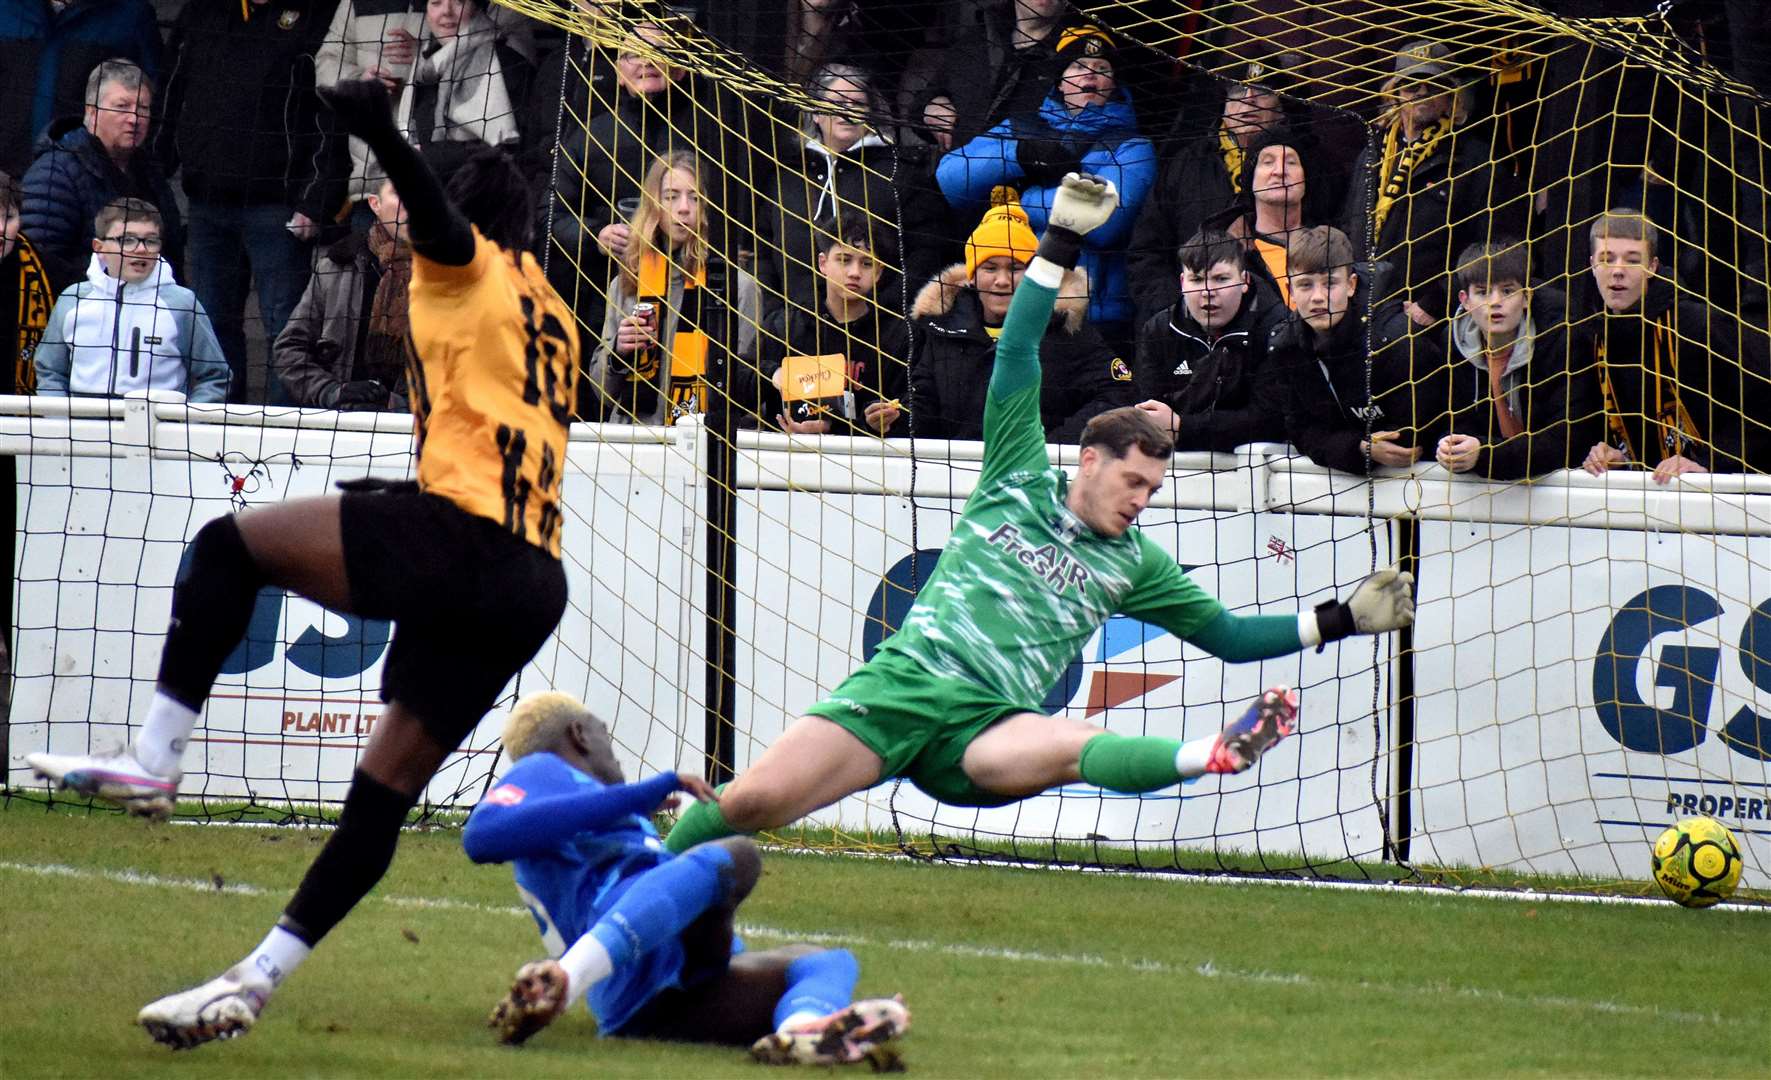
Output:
[[937, 297]]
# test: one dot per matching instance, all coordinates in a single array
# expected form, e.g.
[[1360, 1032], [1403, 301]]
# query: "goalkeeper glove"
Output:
[[1381, 603], [1081, 205]]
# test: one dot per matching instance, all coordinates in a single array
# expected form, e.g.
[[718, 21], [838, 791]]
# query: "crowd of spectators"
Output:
[[1436, 287]]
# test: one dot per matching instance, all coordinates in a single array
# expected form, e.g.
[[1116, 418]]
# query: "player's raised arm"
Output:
[[439, 231], [1012, 427], [1082, 204]]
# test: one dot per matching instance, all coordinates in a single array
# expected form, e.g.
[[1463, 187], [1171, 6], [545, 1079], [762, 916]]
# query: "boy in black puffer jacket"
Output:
[[1335, 412], [1202, 362]]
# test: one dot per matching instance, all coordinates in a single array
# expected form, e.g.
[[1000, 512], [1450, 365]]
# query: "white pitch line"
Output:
[[131, 877], [1205, 970], [1394, 888]]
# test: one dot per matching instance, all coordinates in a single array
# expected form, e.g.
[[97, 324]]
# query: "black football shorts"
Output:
[[471, 603]]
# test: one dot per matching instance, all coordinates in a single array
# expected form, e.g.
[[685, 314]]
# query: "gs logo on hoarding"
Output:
[[1689, 671], [338, 656]]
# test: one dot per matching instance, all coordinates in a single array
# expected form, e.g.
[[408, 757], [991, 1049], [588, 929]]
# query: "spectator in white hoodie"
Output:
[[129, 325]]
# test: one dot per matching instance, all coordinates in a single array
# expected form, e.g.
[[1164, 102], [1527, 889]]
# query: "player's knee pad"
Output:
[[218, 552], [211, 608]]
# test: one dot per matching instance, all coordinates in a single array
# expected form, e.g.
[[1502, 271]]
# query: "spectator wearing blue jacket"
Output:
[[46, 49], [1086, 125], [84, 163]]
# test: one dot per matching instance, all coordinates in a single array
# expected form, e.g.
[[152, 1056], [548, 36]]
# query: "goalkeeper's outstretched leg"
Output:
[[1036, 565]]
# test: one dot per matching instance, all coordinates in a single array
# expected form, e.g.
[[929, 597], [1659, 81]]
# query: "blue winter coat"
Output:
[[46, 55], [1107, 138], [73, 178]]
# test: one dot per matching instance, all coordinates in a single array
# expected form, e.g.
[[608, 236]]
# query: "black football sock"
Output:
[[359, 853]]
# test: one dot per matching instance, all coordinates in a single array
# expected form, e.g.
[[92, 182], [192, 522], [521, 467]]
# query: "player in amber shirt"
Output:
[[465, 563], [493, 370]]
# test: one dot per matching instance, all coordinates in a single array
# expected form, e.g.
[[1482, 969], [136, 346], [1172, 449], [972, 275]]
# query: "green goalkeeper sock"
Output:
[[1129, 764], [700, 823]]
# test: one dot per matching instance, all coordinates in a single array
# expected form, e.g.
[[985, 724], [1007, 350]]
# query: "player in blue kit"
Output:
[[646, 937]]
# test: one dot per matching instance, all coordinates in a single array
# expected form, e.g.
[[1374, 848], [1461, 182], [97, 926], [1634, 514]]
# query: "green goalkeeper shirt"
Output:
[[1023, 583]]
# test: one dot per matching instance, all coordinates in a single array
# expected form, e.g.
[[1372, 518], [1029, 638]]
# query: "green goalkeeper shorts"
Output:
[[918, 723]]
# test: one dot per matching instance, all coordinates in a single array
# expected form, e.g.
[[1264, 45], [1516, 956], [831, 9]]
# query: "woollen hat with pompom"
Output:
[[1004, 231]]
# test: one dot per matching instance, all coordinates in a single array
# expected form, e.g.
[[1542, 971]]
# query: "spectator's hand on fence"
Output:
[[1417, 315], [1383, 602], [1386, 450], [1083, 203], [1677, 465], [939, 116], [1602, 458], [1160, 413], [360, 394], [362, 106], [612, 238], [1458, 452], [820, 426], [881, 415]]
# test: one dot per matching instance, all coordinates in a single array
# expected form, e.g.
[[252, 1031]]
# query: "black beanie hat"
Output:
[[1078, 42]]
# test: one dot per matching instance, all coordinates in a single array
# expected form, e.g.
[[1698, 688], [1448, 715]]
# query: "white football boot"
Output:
[[225, 1007], [854, 1033], [115, 776]]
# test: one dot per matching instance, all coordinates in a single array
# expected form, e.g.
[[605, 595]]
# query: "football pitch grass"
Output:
[[1020, 973]]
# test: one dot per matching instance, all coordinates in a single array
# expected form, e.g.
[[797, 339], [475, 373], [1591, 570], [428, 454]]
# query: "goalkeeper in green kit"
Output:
[[1036, 564]]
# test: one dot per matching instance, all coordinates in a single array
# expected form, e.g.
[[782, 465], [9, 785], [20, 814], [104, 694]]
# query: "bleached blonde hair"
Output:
[[540, 721]]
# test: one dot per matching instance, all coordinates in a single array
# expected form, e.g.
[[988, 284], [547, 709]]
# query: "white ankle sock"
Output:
[[276, 957], [1193, 757], [160, 746], [587, 963]]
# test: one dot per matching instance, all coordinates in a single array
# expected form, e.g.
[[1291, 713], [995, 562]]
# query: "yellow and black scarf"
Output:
[[1233, 158], [1400, 161], [35, 299], [687, 346], [1661, 369]]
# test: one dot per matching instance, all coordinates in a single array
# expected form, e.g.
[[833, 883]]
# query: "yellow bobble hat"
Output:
[[1004, 231]]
